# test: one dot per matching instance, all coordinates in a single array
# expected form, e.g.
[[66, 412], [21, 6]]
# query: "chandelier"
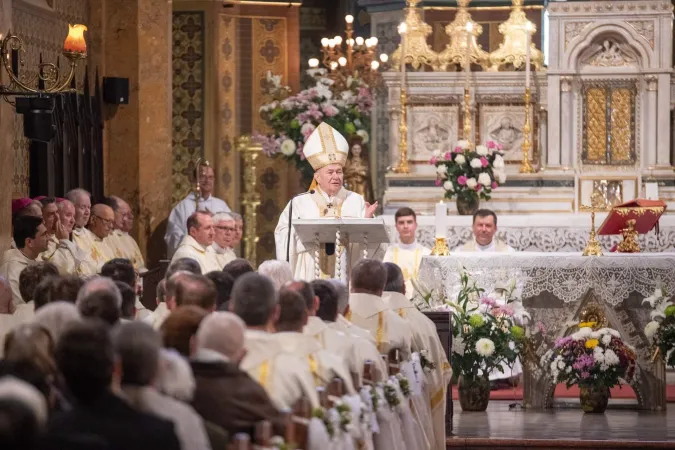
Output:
[[350, 57]]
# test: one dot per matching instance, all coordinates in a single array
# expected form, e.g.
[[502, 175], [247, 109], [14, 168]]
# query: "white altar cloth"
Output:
[[568, 276]]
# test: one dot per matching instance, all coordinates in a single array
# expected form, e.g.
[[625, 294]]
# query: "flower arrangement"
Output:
[[470, 173], [661, 330], [345, 105], [591, 359]]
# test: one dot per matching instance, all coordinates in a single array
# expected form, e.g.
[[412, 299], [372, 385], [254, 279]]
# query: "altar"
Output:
[[561, 289]]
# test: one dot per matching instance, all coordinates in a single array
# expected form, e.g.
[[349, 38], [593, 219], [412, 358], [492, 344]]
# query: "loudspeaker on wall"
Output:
[[116, 90]]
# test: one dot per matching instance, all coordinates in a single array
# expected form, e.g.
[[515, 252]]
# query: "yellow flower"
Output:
[[592, 343], [587, 324]]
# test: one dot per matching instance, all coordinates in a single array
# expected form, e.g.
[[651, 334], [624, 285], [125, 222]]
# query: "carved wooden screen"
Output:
[[609, 123]]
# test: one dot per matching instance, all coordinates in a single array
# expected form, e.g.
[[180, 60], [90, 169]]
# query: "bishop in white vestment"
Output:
[[407, 253], [326, 150], [176, 228]]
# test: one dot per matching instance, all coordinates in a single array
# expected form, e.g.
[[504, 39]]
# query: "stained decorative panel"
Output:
[[188, 99]]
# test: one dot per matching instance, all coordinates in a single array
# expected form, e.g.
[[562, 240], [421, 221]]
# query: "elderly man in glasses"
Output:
[[94, 239], [224, 238]]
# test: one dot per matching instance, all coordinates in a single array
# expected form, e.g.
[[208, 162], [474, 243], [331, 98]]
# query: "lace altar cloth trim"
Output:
[[568, 276]]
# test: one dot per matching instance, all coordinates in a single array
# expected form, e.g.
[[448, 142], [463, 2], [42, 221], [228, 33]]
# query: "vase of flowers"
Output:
[[661, 330], [343, 104], [595, 360], [483, 334], [470, 173]]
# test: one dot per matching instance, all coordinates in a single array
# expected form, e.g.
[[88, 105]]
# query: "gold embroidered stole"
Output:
[[407, 275], [333, 210]]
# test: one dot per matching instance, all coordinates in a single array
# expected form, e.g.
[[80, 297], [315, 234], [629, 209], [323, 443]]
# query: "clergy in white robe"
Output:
[[120, 241], [326, 150], [93, 240], [484, 228], [224, 237], [30, 236], [424, 337], [367, 309], [197, 243], [177, 226], [407, 253]]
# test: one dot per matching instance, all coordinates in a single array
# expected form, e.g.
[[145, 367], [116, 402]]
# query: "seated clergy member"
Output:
[[277, 271], [120, 240], [285, 377], [197, 243], [326, 150], [367, 309], [354, 349], [65, 254], [424, 337], [484, 229], [93, 239], [30, 237], [176, 228], [341, 323], [225, 395], [223, 240], [82, 201], [407, 254], [238, 229], [295, 303]]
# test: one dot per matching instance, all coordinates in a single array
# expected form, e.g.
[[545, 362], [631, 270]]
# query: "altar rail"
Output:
[[540, 232]]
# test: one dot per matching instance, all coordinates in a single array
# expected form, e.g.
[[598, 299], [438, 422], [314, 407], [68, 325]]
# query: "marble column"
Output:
[[566, 131], [662, 141], [6, 141], [133, 40], [553, 141], [649, 150]]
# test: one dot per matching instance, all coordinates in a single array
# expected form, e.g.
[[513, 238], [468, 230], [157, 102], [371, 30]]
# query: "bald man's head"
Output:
[[102, 220]]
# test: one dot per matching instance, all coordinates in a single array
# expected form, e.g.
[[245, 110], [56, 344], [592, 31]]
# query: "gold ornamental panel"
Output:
[[595, 129], [621, 134]]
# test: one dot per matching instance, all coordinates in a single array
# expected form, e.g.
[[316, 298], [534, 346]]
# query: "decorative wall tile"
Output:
[[188, 99]]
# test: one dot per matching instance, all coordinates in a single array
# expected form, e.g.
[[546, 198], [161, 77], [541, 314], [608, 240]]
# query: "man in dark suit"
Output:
[[99, 418]]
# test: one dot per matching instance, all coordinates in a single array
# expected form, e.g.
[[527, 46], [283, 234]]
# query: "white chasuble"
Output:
[[95, 248], [12, 264], [126, 247], [425, 337], [496, 245], [205, 256], [317, 205], [408, 257], [68, 258]]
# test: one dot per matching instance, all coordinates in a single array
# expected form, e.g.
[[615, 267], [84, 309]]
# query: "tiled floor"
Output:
[[619, 427]]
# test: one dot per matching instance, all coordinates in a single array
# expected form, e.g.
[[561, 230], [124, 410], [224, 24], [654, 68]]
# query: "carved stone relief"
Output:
[[644, 28], [574, 29], [609, 53], [432, 128], [503, 124]]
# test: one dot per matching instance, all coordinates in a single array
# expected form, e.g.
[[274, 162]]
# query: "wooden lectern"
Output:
[[343, 233], [631, 219]]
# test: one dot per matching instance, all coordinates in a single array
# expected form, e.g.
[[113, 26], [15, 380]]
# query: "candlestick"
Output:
[[402, 29], [15, 61], [528, 39], [467, 57], [525, 166], [441, 213]]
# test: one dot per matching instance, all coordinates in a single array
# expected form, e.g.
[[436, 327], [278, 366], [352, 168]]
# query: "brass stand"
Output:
[[467, 117], [250, 198], [440, 248], [525, 166], [629, 244], [402, 166], [593, 247]]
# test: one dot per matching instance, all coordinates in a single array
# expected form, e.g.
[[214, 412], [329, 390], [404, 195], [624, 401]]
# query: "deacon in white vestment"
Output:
[[407, 253], [368, 310], [224, 237], [176, 228], [197, 243], [424, 337], [30, 236], [326, 150], [484, 228]]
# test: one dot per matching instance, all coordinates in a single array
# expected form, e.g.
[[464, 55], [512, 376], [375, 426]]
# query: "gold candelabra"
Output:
[[346, 57], [48, 79], [402, 166], [250, 199], [467, 116], [525, 166], [593, 246]]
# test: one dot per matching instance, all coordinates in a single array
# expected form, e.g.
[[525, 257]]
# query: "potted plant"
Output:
[[470, 173], [483, 334], [594, 360], [661, 330], [343, 104]]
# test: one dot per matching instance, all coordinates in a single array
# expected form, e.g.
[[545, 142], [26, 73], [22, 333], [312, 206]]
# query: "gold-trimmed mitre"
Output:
[[326, 146]]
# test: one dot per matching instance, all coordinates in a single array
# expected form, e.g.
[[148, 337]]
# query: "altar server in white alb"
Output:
[[176, 228], [407, 253], [326, 150], [484, 229]]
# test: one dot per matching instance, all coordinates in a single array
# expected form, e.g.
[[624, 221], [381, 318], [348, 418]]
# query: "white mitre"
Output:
[[326, 146]]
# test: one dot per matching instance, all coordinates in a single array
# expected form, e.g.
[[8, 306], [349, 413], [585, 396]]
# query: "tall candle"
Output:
[[441, 213], [403, 29], [467, 62], [528, 39]]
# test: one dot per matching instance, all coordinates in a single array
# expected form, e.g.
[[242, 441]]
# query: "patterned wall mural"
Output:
[[43, 28], [227, 96], [188, 99]]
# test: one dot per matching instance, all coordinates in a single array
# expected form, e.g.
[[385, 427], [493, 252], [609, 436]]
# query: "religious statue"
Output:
[[611, 55], [506, 134], [629, 244], [432, 136], [357, 170]]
